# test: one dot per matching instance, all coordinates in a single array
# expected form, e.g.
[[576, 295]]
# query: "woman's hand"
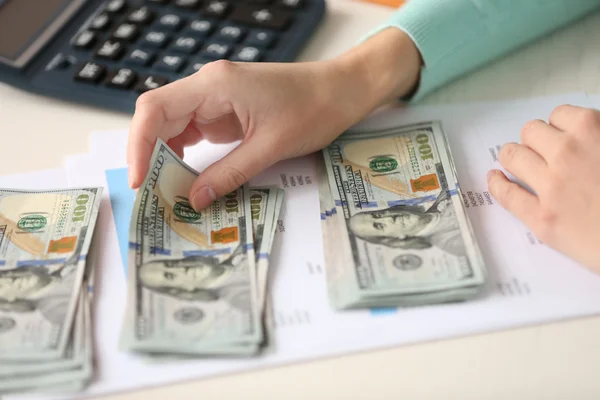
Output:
[[560, 161], [277, 110]]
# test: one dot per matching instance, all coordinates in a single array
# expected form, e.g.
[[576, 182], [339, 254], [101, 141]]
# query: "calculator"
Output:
[[106, 53]]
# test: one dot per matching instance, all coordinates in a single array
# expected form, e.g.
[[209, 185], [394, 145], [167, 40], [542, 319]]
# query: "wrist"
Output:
[[383, 68]]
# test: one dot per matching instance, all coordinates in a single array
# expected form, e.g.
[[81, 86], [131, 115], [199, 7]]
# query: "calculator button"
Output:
[[189, 4], [195, 65], [169, 63], [140, 57], [170, 22], [58, 62], [128, 32], [200, 27], [142, 15], [261, 38], [90, 72], [100, 22], [262, 17], [121, 79], [247, 54], [115, 6], [185, 44], [292, 4], [111, 49], [230, 33], [85, 40], [217, 9], [215, 51], [155, 39], [150, 82]]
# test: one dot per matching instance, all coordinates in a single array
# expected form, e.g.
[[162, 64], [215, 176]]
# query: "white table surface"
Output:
[[555, 361]]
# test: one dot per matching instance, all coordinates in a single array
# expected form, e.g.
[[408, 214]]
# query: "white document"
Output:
[[528, 282], [36, 180], [594, 101]]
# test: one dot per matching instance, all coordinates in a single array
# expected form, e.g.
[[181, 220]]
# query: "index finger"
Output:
[[160, 113], [567, 117]]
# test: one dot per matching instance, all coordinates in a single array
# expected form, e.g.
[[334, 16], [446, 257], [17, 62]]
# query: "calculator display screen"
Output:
[[26, 25]]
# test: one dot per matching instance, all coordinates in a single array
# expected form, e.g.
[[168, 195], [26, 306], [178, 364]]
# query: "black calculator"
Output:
[[106, 53]]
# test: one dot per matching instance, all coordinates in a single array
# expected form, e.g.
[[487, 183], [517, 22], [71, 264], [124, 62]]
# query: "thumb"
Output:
[[247, 160]]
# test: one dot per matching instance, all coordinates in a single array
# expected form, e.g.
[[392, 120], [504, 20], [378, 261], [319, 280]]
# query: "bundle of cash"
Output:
[[197, 280], [46, 284], [395, 230]]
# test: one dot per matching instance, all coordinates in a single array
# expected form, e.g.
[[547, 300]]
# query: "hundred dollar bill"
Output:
[[191, 275], [44, 241], [332, 254], [75, 367], [265, 205], [266, 247], [72, 357], [397, 204]]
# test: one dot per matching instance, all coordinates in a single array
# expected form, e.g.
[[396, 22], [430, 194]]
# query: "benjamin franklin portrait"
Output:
[[199, 278], [45, 288], [412, 226], [31, 288]]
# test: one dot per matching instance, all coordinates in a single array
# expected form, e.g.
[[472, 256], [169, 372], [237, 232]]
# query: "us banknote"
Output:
[[192, 277], [74, 370], [265, 205], [393, 197], [45, 237], [72, 357]]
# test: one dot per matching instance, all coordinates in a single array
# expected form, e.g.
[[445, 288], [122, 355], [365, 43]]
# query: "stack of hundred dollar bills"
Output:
[[197, 280], [394, 227], [46, 287]]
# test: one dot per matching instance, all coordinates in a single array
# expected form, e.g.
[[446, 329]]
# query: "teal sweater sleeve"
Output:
[[458, 36]]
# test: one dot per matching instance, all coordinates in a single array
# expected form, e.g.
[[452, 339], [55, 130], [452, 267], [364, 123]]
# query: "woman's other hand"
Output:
[[560, 161]]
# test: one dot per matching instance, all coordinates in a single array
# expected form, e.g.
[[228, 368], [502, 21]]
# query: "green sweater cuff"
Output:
[[458, 36]]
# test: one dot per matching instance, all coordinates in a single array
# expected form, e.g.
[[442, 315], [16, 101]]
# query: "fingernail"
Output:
[[203, 197]]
